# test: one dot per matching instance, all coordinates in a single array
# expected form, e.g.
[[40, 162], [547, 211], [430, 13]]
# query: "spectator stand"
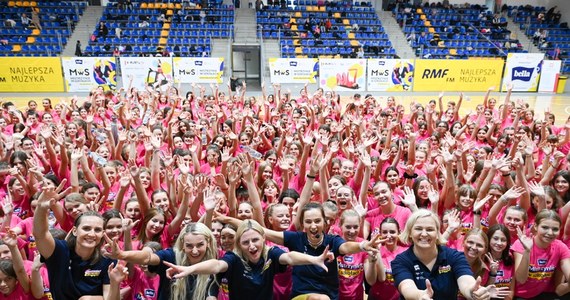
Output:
[[455, 32], [163, 29], [57, 20], [331, 30], [545, 30]]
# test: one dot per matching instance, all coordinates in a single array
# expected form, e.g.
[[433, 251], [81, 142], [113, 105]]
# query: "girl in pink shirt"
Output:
[[538, 257], [278, 218], [501, 262], [383, 287], [352, 267]]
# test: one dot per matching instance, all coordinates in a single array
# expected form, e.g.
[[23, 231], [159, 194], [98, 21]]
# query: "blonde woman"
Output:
[[251, 267], [429, 270], [195, 244]]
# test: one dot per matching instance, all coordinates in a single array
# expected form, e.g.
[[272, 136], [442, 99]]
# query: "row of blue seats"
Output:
[[328, 9], [27, 32], [201, 33], [186, 26], [126, 41], [315, 2], [189, 41]]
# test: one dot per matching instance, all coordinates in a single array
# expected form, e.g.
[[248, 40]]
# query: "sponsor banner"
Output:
[[393, 75], [342, 74], [30, 74], [549, 75], [291, 70], [147, 71], [467, 75], [523, 71], [82, 74], [198, 69]]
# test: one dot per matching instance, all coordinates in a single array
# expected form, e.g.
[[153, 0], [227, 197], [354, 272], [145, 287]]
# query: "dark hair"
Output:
[[505, 255], [20, 155], [566, 175], [111, 214], [7, 268], [390, 220], [309, 206], [291, 193]]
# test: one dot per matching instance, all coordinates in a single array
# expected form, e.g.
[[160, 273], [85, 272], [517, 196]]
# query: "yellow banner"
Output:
[[457, 75], [31, 74]]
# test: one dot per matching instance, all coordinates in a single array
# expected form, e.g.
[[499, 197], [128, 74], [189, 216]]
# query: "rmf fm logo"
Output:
[[437, 73]]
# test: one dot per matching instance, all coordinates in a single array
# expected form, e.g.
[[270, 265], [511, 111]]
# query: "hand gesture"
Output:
[[210, 201], [118, 272], [409, 197], [8, 206], [433, 195], [428, 292], [10, 239], [177, 272], [525, 240], [478, 291], [323, 258], [515, 192], [493, 263], [479, 204], [453, 220]]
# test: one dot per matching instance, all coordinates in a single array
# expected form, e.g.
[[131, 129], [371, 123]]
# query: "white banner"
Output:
[[291, 70], [82, 74], [342, 74], [523, 71], [394, 75], [549, 76], [198, 69], [145, 71]]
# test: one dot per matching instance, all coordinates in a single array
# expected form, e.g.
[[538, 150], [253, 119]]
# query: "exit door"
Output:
[[246, 63]]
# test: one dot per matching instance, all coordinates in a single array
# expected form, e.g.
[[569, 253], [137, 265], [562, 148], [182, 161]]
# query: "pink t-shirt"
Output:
[[143, 286], [351, 276], [375, 218], [505, 275], [387, 290], [282, 282], [542, 264]]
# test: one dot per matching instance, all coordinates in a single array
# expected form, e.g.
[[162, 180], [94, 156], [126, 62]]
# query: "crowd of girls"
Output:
[[211, 194]]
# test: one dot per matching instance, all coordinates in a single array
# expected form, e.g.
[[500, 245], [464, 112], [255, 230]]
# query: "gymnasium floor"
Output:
[[559, 104]]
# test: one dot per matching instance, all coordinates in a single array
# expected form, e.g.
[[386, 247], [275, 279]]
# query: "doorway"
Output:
[[246, 64]]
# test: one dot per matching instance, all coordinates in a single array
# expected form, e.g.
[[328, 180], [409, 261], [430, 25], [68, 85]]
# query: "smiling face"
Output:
[[350, 228], [227, 239], [498, 242], [561, 185], [251, 244], [424, 233], [7, 283], [280, 218], [245, 211], [89, 232], [546, 232], [343, 197], [382, 194], [474, 247], [313, 224], [513, 220], [389, 231], [114, 228], [155, 225], [195, 246]]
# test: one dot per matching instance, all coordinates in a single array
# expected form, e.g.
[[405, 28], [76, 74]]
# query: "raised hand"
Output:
[[323, 258], [454, 220], [525, 240], [433, 195], [409, 197], [493, 263], [515, 192], [118, 272], [428, 292], [479, 204]]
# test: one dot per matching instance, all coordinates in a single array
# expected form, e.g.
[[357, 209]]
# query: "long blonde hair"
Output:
[[243, 227], [178, 289]]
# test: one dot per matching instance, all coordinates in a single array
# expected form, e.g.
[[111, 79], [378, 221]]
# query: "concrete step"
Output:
[[84, 29], [521, 36], [395, 34]]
